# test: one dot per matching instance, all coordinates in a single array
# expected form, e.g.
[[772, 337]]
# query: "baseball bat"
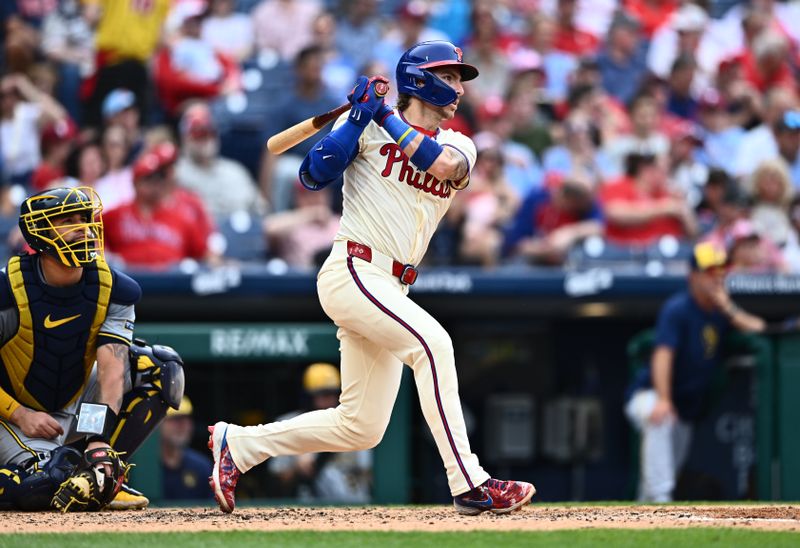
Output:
[[286, 139]]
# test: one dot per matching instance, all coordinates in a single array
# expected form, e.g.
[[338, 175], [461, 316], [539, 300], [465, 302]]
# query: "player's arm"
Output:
[[111, 374], [113, 342], [669, 331], [740, 319], [110, 383], [35, 424], [451, 165], [328, 159], [661, 374], [743, 320], [445, 162]]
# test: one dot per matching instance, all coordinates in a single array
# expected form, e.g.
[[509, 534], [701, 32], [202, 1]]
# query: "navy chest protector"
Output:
[[48, 360]]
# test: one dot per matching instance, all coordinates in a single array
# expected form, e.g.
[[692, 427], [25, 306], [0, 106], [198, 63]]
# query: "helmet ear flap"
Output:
[[434, 90]]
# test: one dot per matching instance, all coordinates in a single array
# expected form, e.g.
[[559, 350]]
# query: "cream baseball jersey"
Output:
[[389, 204]]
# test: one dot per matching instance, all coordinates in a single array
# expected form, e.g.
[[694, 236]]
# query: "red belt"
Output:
[[406, 272]]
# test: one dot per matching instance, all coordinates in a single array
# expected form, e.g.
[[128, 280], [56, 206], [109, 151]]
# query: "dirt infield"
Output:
[[422, 518]]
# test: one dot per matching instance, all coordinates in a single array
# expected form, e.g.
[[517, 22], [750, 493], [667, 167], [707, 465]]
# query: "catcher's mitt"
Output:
[[94, 483]]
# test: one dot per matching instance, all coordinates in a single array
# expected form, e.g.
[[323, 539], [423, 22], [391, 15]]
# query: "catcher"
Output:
[[66, 325]]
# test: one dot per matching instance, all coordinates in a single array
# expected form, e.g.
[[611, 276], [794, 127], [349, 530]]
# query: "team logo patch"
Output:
[[459, 54], [129, 325], [409, 174]]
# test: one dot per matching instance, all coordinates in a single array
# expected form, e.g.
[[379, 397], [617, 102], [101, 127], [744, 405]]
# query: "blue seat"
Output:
[[671, 249], [597, 251], [244, 237], [245, 146]]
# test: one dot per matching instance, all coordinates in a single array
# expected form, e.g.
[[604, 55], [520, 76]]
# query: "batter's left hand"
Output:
[[369, 90], [365, 99]]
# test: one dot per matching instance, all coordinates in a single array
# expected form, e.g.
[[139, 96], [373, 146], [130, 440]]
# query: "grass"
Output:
[[573, 539]]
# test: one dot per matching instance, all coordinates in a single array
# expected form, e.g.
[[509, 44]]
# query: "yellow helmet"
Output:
[[321, 377], [38, 212], [185, 409], [706, 256]]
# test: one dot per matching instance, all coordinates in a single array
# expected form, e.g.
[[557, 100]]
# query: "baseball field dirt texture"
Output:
[[543, 524]]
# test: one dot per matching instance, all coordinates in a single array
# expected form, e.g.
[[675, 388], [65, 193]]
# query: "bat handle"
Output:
[[381, 89]]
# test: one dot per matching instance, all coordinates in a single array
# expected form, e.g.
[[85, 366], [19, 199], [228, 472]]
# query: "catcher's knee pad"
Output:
[[159, 367], [33, 490], [158, 382]]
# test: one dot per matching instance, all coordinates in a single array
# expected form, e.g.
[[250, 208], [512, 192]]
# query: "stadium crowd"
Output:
[[604, 128]]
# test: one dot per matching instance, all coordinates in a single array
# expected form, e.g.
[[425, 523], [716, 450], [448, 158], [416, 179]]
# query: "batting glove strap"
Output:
[[382, 113], [360, 115]]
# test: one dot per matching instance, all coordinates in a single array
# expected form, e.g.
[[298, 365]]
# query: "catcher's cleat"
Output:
[[496, 496], [128, 498], [225, 474]]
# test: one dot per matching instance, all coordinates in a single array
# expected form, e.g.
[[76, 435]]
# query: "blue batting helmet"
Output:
[[415, 78]]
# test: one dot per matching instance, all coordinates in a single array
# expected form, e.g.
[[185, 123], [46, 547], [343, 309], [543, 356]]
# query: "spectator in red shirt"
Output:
[[639, 209], [189, 68], [569, 38], [766, 64], [551, 220], [164, 224], [651, 13]]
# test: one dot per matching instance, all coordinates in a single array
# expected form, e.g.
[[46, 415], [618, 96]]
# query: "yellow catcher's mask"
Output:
[[65, 223]]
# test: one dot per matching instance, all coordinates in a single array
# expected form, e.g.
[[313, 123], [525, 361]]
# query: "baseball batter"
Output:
[[401, 172]]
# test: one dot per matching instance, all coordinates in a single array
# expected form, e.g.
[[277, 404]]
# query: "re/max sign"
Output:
[[259, 342]]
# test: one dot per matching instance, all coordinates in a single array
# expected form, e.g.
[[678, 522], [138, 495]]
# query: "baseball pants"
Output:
[[664, 447], [380, 329], [17, 448]]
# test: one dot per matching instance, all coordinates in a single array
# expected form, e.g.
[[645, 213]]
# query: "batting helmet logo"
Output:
[[415, 78]]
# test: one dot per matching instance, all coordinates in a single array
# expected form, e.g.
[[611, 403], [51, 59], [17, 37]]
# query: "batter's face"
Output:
[[452, 77]]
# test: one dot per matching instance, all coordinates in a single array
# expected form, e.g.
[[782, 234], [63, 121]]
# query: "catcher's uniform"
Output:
[[48, 343], [391, 210]]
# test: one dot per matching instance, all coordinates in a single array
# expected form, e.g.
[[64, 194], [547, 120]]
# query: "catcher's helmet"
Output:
[[414, 78], [37, 216], [321, 377]]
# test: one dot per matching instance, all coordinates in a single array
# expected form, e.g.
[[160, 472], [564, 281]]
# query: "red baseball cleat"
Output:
[[225, 474], [496, 496]]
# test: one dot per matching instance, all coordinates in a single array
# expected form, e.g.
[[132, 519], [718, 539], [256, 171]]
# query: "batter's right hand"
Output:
[[36, 424]]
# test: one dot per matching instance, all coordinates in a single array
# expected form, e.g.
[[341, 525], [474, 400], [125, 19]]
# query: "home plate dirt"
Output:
[[406, 518]]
